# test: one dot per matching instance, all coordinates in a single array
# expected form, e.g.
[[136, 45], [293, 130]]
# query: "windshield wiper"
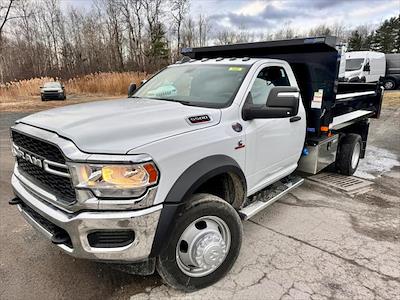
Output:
[[175, 100]]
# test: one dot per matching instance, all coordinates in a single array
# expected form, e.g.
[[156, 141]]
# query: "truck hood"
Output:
[[118, 126]]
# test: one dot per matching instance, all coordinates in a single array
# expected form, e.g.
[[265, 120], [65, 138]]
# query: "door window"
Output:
[[267, 79]]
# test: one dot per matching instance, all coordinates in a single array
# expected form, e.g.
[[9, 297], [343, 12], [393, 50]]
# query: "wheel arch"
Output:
[[187, 184]]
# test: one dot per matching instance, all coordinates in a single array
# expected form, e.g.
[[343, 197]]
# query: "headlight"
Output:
[[115, 180]]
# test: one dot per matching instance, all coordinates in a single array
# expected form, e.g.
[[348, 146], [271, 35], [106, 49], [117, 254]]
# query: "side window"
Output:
[[267, 79]]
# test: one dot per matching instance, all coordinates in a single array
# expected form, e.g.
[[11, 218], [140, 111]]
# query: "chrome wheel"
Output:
[[356, 156], [203, 246]]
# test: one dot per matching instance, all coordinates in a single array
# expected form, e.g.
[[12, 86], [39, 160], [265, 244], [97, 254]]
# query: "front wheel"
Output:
[[204, 244]]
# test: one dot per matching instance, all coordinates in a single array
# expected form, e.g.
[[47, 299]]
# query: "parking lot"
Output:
[[316, 243]]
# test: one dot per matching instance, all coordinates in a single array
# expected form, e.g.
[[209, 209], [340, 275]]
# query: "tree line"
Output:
[[43, 38]]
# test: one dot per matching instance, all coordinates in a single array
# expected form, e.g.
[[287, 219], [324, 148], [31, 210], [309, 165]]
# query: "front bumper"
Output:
[[52, 95], [78, 225]]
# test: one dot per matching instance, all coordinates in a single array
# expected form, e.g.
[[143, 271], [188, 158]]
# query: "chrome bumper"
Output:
[[78, 225]]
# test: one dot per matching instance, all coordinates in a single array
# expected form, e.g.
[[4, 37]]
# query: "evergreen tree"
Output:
[[157, 51], [360, 39], [355, 41], [387, 37]]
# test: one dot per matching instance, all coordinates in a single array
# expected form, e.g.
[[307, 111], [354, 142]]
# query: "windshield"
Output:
[[52, 85], [354, 64], [197, 85]]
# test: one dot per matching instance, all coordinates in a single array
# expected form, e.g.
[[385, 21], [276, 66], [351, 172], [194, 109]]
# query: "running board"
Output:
[[269, 195]]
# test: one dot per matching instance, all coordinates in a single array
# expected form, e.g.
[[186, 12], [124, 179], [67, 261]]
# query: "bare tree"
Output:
[[5, 9], [188, 36], [203, 30], [5, 16], [42, 38], [115, 33], [179, 10]]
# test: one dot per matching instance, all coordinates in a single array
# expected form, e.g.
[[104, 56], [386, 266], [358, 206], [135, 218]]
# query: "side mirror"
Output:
[[367, 68], [282, 102], [131, 89]]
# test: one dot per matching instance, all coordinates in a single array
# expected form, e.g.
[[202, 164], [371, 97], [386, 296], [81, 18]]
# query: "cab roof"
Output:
[[247, 61]]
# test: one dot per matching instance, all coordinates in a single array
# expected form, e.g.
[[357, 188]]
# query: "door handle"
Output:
[[295, 119]]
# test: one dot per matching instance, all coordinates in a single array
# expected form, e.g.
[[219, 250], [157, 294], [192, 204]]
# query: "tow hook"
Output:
[[59, 238], [15, 201]]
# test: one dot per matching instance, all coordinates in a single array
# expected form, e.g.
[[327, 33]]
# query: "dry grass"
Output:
[[24, 95], [111, 84], [391, 99]]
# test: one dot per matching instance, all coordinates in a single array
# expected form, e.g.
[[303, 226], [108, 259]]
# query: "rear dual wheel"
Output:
[[204, 245], [349, 153]]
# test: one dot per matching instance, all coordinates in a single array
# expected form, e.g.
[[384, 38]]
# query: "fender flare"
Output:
[[192, 178]]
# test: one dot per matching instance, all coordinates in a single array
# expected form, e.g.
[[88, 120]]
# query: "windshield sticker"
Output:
[[317, 100], [235, 69]]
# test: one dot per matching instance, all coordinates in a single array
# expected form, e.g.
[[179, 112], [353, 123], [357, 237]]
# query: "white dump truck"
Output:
[[162, 180]]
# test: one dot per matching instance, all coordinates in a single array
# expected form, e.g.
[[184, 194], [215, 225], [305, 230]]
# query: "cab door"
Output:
[[273, 145]]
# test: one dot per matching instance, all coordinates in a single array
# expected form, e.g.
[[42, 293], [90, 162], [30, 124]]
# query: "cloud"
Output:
[[323, 3], [252, 8], [248, 17], [273, 12], [262, 16]]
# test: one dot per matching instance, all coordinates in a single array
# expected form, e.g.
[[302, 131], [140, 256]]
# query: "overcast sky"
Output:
[[270, 15]]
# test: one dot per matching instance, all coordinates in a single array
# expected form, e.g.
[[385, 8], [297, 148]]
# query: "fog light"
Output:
[[110, 238]]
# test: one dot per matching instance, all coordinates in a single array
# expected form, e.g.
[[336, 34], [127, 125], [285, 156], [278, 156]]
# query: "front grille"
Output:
[[59, 186], [46, 224], [51, 95], [38, 147]]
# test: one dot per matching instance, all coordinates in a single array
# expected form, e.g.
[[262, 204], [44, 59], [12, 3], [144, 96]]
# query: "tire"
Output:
[[201, 212], [389, 84], [348, 155], [43, 99]]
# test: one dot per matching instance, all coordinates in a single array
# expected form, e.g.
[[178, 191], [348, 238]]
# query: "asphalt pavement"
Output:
[[315, 243]]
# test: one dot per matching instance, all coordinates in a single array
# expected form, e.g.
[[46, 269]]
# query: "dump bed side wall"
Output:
[[369, 98]]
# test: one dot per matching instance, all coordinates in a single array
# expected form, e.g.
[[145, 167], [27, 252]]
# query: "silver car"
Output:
[[52, 90]]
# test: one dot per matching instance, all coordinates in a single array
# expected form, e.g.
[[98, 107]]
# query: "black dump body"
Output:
[[315, 63]]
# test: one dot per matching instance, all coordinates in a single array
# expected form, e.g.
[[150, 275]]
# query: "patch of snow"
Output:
[[377, 161]]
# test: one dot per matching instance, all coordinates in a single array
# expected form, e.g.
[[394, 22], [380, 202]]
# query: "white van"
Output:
[[365, 66]]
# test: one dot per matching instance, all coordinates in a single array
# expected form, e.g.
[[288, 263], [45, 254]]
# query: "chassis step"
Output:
[[269, 195]]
